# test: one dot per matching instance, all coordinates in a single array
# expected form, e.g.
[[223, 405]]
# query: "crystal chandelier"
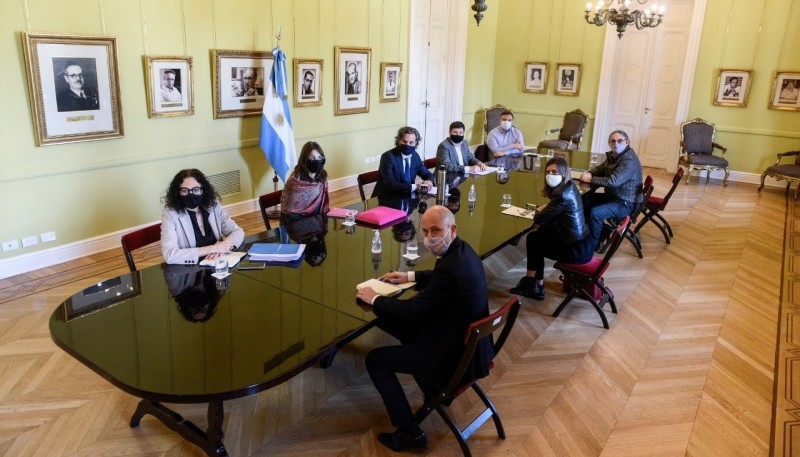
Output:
[[622, 15]]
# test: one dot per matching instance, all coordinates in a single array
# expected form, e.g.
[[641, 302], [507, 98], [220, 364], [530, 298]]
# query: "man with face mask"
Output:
[[621, 178], [430, 325], [505, 143], [454, 152], [400, 166]]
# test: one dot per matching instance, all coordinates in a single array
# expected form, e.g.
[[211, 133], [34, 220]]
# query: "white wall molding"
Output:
[[71, 251], [758, 132]]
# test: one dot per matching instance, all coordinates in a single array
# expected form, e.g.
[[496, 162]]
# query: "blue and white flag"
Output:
[[277, 138]]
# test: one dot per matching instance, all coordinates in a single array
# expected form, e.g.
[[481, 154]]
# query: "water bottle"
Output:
[[441, 179], [377, 245], [471, 195]]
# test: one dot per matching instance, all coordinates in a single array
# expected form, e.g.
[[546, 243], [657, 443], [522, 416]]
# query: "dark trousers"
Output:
[[599, 207], [545, 242]]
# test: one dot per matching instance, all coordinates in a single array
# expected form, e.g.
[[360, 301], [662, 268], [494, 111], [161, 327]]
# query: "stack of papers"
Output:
[[384, 288], [276, 252], [484, 172], [232, 257]]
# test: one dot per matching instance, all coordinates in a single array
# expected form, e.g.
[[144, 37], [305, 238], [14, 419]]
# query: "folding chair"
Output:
[[478, 330], [139, 239], [267, 201], [654, 206], [589, 276], [364, 179]]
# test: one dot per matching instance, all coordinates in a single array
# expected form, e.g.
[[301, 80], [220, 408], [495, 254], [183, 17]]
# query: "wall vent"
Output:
[[227, 183]]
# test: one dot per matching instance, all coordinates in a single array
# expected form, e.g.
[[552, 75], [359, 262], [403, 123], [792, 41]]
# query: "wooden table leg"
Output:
[[210, 441]]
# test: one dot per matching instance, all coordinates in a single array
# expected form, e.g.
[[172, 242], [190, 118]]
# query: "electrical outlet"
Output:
[[30, 241], [10, 245], [48, 236]]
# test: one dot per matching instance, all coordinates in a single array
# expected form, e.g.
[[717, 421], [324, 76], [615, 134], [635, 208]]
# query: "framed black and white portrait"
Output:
[[351, 80], [73, 87], [785, 89], [733, 88], [568, 79], [170, 91], [308, 82], [535, 77], [390, 81], [239, 81]]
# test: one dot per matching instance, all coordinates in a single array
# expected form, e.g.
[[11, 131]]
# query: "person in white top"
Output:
[[170, 93]]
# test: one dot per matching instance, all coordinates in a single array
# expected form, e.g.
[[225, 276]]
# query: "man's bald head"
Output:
[[438, 220]]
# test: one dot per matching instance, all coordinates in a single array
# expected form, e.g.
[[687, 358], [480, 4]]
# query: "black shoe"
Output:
[[528, 287], [401, 441]]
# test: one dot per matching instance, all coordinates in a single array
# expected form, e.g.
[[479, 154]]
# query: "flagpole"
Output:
[[276, 213]]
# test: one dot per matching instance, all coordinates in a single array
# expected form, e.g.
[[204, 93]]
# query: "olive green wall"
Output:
[[90, 189]]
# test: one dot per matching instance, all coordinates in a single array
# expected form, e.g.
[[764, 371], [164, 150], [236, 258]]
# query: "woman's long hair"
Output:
[[301, 171], [172, 199], [563, 169]]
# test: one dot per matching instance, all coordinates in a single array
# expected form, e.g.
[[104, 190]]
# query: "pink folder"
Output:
[[337, 213], [381, 216]]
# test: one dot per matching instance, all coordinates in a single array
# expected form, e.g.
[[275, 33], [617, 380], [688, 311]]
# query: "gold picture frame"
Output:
[[785, 89], [390, 81], [535, 78], [73, 87], [733, 88], [308, 82], [239, 81], [351, 79], [568, 79], [169, 85]]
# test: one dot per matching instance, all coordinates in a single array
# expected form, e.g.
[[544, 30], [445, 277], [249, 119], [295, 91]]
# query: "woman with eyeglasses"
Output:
[[193, 223], [306, 190], [559, 229]]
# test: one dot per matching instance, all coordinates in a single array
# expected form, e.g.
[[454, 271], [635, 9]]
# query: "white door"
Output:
[[436, 69], [649, 87]]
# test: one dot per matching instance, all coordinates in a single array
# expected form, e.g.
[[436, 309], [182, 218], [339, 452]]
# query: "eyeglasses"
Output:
[[552, 172], [74, 76], [183, 191], [617, 141]]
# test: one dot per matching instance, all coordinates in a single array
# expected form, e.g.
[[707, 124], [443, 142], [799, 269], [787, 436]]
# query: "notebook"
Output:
[[232, 257], [381, 216]]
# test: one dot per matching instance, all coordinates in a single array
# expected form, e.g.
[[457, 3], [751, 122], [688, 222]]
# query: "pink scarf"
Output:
[[303, 197]]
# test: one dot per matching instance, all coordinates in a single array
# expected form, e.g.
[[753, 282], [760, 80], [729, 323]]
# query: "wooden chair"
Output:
[[139, 239], [365, 179], [697, 149], [589, 276], [267, 201], [430, 164], [484, 328], [654, 206], [631, 235], [569, 134], [790, 172], [491, 119]]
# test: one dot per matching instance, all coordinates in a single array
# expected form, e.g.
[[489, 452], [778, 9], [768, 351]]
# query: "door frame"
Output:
[[602, 124]]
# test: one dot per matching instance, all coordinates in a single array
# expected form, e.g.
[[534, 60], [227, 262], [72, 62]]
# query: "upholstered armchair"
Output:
[[569, 134], [491, 119], [697, 149], [789, 172]]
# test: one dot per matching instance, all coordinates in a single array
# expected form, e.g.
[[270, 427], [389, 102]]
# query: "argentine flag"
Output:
[[277, 138]]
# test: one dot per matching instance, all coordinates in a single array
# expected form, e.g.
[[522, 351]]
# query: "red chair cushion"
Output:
[[585, 268], [655, 201]]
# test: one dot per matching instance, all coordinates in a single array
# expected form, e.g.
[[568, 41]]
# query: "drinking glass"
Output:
[[221, 266], [506, 200], [412, 249], [350, 217]]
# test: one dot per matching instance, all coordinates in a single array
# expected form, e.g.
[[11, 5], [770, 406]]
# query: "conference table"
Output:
[[177, 334]]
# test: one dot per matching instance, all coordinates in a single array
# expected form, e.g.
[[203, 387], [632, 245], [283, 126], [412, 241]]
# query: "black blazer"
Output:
[[451, 296], [391, 178], [565, 212]]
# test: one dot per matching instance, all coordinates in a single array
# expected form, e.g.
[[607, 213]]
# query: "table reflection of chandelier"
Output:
[[622, 15]]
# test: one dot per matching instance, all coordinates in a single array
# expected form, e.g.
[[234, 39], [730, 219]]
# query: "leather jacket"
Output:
[[565, 211]]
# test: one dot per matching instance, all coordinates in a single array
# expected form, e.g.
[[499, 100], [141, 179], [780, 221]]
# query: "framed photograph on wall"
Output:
[[351, 80], [390, 81], [239, 82], [535, 77], [568, 79], [308, 82], [733, 88], [73, 87], [785, 88], [170, 90]]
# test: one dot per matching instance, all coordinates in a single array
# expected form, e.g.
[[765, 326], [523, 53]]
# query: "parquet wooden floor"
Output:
[[686, 369]]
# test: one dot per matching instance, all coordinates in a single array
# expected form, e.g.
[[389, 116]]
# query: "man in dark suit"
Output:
[[431, 325], [76, 96], [454, 152], [400, 166]]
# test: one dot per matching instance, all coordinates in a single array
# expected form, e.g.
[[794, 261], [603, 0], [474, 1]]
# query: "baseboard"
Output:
[[738, 176], [48, 257]]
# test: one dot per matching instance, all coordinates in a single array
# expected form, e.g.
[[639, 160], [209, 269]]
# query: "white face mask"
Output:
[[553, 180], [506, 125], [438, 245], [619, 147]]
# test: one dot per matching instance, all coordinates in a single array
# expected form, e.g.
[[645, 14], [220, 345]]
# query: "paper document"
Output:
[[484, 172], [380, 287], [520, 212], [233, 259]]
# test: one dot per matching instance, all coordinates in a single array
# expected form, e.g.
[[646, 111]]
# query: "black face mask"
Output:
[[456, 138], [406, 149], [191, 201], [314, 166]]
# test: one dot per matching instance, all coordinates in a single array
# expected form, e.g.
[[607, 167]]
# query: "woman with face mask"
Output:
[[306, 190], [193, 223], [559, 230]]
